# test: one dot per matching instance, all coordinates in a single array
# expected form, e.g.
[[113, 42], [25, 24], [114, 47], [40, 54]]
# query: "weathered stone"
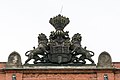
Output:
[[14, 60], [104, 60], [59, 49]]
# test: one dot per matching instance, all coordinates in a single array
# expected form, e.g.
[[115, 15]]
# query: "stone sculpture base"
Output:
[[50, 64]]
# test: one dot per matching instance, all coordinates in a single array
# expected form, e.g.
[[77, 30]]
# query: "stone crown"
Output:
[[59, 22]]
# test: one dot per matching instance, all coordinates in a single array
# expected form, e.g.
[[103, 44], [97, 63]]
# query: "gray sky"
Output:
[[98, 21]]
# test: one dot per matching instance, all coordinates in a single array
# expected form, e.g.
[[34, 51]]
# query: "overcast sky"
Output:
[[98, 21]]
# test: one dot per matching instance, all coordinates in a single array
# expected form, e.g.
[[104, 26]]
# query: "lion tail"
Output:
[[26, 54], [92, 53]]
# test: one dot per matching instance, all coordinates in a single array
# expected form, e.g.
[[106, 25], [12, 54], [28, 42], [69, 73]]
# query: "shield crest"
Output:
[[59, 54]]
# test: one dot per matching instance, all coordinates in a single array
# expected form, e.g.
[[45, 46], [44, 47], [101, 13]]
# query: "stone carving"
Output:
[[104, 60], [59, 49], [14, 60], [40, 50], [77, 50]]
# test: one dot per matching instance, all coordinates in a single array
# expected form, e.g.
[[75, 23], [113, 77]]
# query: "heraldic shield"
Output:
[[59, 54]]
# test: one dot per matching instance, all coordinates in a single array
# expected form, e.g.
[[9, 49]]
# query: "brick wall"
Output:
[[2, 64], [60, 74], [116, 64], [60, 77]]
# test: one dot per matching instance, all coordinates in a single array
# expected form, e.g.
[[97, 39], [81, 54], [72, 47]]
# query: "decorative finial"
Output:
[[59, 22]]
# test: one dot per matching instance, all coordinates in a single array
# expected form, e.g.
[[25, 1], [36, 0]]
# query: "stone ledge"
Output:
[[51, 64], [59, 67]]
